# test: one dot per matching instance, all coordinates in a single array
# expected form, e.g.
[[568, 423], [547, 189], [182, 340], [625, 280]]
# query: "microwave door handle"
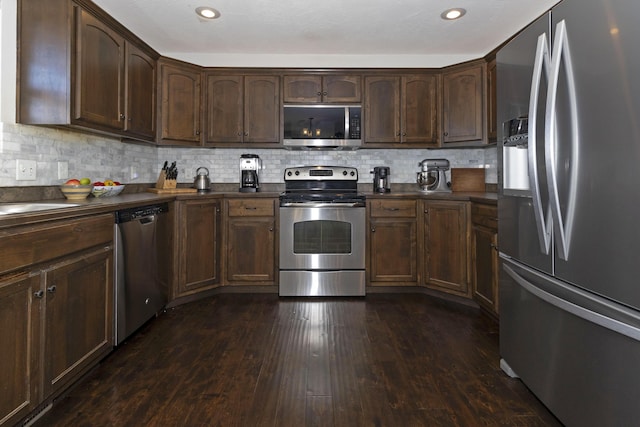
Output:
[[542, 218], [563, 225]]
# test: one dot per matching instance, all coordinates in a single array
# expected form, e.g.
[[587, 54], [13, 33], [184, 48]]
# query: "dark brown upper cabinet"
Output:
[[462, 105], [492, 102], [401, 110], [313, 89], [99, 77], [180, 112], [242, 109]]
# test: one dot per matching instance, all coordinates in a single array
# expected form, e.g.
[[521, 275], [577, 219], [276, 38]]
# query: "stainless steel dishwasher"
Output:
[[140, 292]]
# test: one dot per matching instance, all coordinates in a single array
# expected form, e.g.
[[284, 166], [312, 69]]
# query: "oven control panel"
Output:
[[321, 173]]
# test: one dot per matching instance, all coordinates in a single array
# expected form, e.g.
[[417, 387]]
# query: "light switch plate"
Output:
[[63, 170], [26, 170]]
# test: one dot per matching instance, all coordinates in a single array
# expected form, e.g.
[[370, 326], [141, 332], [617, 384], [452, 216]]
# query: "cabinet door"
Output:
[[302, 89], [180, 89], [419, 109], [484, 244], [140, 96], [20, 349], [393, 251], [492, 102], [199, 245], [382, 109], [78, 316], [462, 105], [262, 109], [250, 239], [251, 250], [99, 79], [224, 103], [342, 89], [446, 246]]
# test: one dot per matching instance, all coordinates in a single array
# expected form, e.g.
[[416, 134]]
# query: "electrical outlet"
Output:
[[63, 170], [26, 170]]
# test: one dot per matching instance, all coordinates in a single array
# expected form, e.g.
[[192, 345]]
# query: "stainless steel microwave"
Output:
[[322, 126]]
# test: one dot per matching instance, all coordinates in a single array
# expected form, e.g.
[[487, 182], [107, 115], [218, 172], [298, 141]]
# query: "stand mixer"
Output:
[[432, 176]]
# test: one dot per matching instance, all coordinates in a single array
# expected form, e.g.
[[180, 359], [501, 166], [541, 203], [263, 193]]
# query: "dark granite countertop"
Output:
[[138, 196]]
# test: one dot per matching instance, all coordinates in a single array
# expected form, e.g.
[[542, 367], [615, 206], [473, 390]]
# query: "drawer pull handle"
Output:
[[51, 289], [38, 294], [249, 208], [392, 209]]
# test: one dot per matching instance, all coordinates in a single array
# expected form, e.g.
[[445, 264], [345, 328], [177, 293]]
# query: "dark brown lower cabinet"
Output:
[[251, 251], [484, 256], [56, 315], [20, 350], [446, 241], [199, 239], [393, 237]]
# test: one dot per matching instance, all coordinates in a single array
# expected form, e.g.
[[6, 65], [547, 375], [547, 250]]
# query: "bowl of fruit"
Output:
[[108, 188], [76, 189]]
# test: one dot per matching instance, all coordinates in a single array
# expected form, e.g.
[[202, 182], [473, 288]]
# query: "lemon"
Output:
[[109, 183], [85, 181]]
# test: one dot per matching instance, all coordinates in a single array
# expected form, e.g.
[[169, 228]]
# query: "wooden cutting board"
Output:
[[467, 179], [172, 190]]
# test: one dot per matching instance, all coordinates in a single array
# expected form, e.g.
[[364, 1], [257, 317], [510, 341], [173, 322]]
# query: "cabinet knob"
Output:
[[324, 93], [197, 132], [246, 134], [494, 247], [373, 229], [270, 228], [51, 289], [38, 294], [446, 134], [122, 117], [319, 93]]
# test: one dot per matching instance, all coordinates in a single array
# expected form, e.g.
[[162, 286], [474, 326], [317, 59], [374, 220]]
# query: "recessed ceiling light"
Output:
[[451, 14], [207, 12]]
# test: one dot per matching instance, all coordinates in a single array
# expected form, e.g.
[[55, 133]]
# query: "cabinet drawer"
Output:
[[393, 208], [251, 207], [483, 214], [24, 246]]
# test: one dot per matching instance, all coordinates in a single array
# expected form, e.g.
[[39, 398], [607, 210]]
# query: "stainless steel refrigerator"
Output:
[[569, 210]]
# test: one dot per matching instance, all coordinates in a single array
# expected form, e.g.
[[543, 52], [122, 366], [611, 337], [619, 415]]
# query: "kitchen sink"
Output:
[[17, 208]]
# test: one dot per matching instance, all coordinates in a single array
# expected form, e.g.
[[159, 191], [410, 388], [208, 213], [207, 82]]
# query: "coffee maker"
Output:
[[381, 182], [250, 165], [432, 176]]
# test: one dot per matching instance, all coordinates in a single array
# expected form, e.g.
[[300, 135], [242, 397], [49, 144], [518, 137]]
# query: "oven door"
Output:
[[322, 237]]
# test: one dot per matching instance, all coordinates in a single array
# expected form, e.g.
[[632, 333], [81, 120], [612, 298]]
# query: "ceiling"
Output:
[[325, 33]]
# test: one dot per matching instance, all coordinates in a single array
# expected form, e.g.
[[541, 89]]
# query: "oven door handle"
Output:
[[321, 205]]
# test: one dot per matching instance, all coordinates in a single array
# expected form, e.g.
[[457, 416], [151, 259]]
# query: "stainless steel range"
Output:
[[322, 232]]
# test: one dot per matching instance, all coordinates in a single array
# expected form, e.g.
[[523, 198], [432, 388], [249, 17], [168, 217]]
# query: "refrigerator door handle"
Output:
[[541, 64], [581, 312], [563, 225]]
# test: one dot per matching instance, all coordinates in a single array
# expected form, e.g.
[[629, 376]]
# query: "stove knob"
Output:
[[344, 173], [297, 173], [353, 173], [288, 173]]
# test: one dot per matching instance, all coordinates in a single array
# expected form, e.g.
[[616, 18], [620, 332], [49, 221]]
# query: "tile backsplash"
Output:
[[99, 158]]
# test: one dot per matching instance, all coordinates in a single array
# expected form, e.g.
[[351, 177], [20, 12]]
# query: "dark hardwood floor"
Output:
[[258, 360]]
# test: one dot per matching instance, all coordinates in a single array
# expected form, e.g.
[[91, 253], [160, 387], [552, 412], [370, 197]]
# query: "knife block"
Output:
[[165, 183]]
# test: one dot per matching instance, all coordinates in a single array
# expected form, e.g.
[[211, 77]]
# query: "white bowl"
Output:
[[107, 190]]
